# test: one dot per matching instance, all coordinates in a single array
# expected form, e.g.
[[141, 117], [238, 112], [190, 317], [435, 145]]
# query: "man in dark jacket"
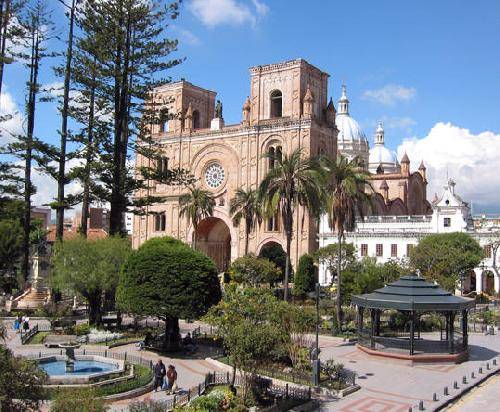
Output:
[[160, 373]]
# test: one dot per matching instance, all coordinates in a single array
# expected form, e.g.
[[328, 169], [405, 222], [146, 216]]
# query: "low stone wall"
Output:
[[82, 379]]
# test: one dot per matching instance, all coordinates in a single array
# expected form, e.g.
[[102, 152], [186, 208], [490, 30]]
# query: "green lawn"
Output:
[[38, 338]]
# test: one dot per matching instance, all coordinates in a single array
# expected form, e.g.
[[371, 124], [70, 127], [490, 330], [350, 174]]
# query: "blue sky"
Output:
[[428, 69]]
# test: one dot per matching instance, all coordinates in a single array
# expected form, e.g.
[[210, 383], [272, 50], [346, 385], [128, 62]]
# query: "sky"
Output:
[[429, 70]]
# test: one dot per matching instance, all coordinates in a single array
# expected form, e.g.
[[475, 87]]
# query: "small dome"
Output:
[[381, 155]]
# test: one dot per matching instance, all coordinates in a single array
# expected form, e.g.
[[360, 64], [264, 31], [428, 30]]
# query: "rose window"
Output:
[[214, 175]]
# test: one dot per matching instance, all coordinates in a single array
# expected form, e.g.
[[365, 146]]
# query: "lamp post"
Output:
[[316, 363]]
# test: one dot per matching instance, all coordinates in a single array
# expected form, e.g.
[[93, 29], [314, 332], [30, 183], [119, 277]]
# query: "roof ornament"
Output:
[[343, 102], [379, 134]]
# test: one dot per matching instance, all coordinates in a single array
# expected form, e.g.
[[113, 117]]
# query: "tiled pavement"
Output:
[[386, 385]]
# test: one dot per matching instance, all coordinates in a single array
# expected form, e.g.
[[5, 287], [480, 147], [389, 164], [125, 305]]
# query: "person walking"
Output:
[[171, 379], [159, 372]]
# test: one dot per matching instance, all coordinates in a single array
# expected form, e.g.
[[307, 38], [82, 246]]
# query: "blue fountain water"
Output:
[[82, 367]]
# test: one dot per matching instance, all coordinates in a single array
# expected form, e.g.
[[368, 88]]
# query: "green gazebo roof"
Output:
[[413, 293]]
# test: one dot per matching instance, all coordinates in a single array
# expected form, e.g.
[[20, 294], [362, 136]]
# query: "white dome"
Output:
[[349, 130], [381, 155]]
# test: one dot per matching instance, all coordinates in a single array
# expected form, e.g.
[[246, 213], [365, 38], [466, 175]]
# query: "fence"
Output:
[[284, 391], [26, 336]]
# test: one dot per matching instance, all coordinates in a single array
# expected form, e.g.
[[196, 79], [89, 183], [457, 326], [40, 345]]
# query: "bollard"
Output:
[[473, 375], [480, 370], [445, 392], [455, 385], [421, 406], [435, 397], [464, 380]]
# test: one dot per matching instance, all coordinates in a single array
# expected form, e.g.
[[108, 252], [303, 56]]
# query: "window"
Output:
[[379, 249], [164, 126], [275, 154], [271, 158], [487, 251], [160, 222], [276, 103], [394, 250], [196, 119], [447, 221], [409, 248], [162, 164], [364, 249], [273, 223]]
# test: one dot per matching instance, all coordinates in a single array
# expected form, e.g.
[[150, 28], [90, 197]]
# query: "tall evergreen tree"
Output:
[[131, 54], [38, 30], [10, 32]]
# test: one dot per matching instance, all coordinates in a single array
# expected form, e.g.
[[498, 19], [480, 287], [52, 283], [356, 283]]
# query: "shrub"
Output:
[[305, 277], [82, 329], [78, 400]]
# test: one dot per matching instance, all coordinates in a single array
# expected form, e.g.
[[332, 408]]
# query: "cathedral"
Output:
[[288, 108]]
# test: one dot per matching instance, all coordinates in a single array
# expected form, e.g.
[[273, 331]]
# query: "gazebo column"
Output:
[[451, 340], [377, 322], [465, 333], [372, 334], [412, 332], [361, 310]]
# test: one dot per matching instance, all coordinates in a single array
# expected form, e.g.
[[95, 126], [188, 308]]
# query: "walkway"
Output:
[[190, 371], [484, 398]]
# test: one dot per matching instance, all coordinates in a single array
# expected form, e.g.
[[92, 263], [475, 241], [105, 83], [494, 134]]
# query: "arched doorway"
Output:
[[488, 282], [214, 239], [275, 253]]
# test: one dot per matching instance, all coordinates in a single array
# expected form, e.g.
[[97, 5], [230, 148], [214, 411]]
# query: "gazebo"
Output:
[[413, 297]]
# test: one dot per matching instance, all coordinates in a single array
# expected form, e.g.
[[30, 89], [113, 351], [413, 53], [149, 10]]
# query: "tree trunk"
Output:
[[247, 239], [61, 176], [339, 291], [32, 92], [95, 315], [171, 341], [4, 27], [88, 159], [287, 263]]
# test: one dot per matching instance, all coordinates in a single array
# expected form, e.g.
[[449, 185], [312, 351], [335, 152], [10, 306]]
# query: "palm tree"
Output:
[[197, 205], [294, 180], [246, 205], [345, 198]]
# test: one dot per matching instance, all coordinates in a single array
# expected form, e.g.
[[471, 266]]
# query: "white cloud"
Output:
[[218, 12], [390, 94], [404, 123], [186, 36], [12, 124], [470, 159]]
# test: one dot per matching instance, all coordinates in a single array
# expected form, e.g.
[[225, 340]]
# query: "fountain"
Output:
[[70, 355]]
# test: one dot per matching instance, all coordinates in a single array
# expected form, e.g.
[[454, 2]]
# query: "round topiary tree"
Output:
[[167, 279], [305, 276]]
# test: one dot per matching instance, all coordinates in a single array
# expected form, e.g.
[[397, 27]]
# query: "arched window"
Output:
[[279, 153], [276, 103], [196, 119], [160, 222], [271, 158], [162, 164], [164, 126], [273, 223]]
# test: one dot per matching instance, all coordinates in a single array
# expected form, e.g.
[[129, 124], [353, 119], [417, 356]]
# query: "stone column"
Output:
[[479, 280]]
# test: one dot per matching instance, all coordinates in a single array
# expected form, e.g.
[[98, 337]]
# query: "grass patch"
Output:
[[142, 376], [125, 339], [37, 338]]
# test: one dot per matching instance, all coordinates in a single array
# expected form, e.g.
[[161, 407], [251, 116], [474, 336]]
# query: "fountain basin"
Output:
[[87, 369]]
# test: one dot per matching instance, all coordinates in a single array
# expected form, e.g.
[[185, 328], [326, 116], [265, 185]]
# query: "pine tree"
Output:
[[131, 53], [38, 30], [10, 32]]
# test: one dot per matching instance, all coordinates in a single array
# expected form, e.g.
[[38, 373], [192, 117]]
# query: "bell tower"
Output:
[[278, 91]]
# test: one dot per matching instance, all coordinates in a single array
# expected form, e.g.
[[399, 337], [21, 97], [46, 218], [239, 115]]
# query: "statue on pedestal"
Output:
[[218, 110]]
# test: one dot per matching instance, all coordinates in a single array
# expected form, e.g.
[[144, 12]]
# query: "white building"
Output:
[[392, 237]]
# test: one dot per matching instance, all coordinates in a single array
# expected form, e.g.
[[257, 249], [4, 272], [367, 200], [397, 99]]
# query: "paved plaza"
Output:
[[386, 385], [484, 398]]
